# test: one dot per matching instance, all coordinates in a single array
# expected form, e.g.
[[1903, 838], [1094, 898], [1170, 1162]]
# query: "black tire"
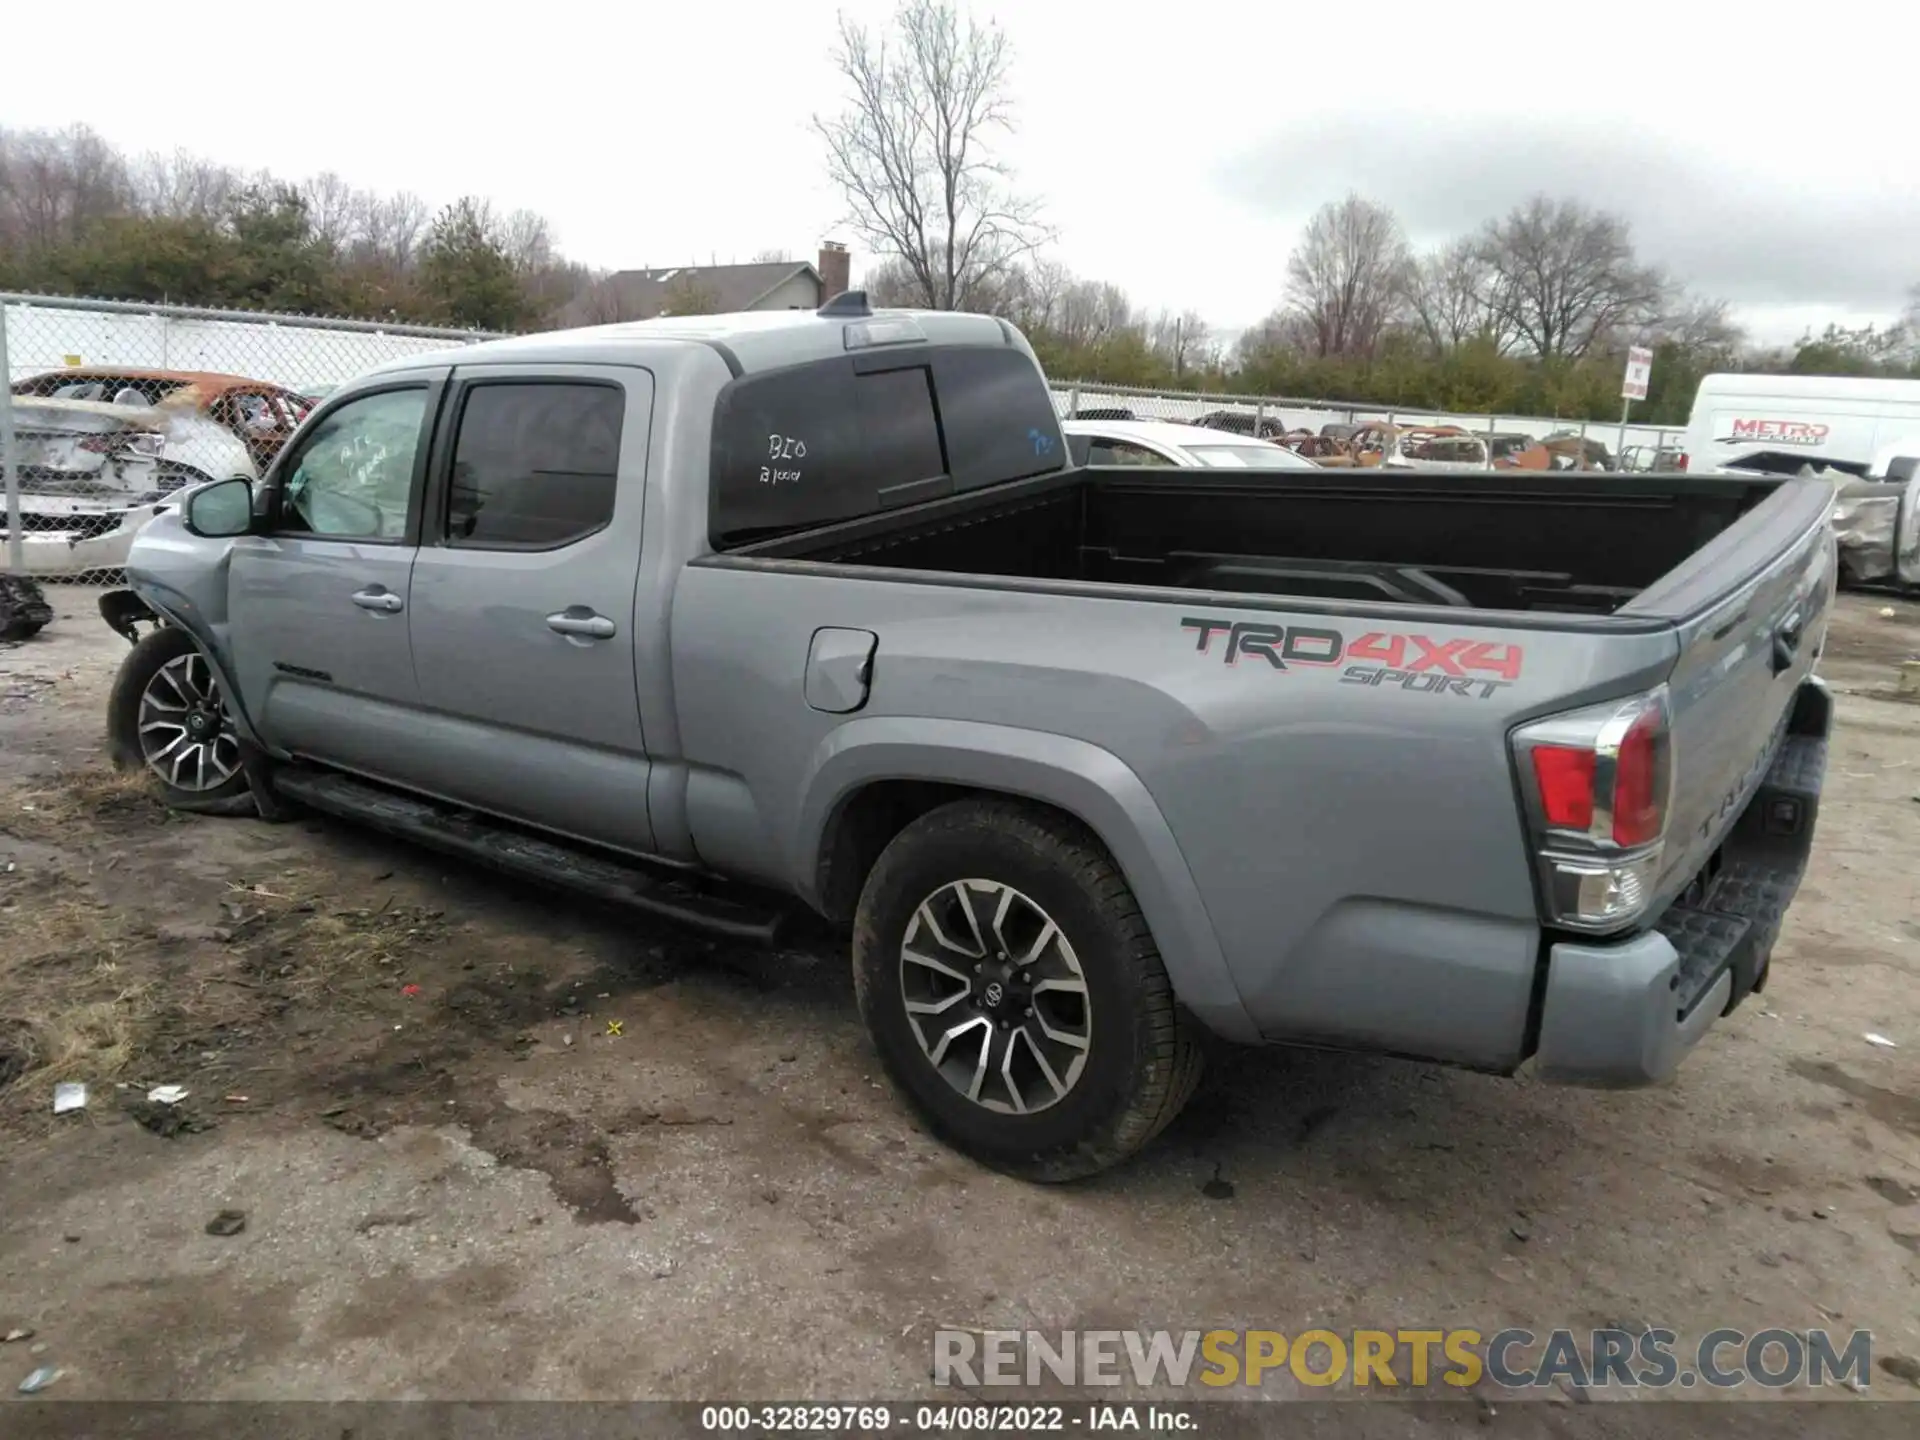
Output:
[[1144, 1054], [154, 652]]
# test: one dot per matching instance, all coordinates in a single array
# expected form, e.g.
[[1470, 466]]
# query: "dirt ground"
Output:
[[460, 1182]]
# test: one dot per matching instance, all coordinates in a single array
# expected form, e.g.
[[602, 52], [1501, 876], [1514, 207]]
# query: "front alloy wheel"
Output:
[[996, 996], [186, 737], [167, 717]]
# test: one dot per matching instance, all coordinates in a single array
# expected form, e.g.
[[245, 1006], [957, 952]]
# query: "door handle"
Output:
[[578, 620], [384, 601]]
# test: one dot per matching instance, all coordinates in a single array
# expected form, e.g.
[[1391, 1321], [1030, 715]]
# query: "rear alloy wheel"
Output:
[[168, 717], [996, 996], [1015, 994]]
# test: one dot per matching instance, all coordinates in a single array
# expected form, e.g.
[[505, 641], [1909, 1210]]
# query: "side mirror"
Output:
[[221, 510]]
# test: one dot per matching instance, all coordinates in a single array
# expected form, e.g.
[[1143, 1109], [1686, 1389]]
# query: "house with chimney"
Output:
[[714, 289]]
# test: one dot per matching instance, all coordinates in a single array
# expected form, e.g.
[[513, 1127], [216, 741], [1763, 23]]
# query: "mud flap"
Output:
[[124, 613], [258, 769]]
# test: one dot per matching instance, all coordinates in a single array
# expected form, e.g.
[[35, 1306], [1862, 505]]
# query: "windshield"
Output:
[[1248, 457]]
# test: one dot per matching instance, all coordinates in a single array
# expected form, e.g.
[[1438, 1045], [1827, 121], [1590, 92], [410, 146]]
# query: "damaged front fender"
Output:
[[125, 612]]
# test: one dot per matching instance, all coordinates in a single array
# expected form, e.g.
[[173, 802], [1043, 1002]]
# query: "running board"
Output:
[[551, 862]]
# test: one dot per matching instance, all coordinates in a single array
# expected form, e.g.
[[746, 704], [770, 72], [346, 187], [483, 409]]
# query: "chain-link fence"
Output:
[[1340, 433], [110, 408]]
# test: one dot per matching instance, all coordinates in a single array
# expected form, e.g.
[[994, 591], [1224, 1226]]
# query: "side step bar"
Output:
[[531, 857]]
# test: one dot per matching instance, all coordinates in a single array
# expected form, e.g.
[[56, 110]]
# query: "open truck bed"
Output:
[[1561, 544]]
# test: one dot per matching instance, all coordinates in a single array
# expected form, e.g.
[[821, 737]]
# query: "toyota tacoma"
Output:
[[729, 617]]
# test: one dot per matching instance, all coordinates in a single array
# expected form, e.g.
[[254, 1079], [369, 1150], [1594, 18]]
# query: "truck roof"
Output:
[[747, 340]]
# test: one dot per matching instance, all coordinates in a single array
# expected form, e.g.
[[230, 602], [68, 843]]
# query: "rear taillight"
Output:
[[1565, 777], [99, 444], [1596, 784], [1682, 465], [1639, 797]]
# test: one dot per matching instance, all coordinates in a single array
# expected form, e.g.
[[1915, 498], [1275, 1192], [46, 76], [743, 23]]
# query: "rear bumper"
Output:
[[68, 546], [1624, 1013]]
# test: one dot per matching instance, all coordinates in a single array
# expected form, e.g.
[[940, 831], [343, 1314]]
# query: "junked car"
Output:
[[1158, 442], [1518, 451], [1419, 447], [101, 450], [1572, 451]]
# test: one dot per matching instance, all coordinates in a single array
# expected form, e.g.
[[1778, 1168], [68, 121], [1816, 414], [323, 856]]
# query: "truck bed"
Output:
[[1568, 544]]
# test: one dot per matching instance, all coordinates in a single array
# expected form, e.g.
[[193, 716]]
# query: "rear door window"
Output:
[[535, 465]]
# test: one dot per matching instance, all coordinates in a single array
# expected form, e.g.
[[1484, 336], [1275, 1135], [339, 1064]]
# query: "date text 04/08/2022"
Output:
[[880, 1419]]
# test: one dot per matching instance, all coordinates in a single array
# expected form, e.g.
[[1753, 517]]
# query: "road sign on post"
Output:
[[1639, 371], [1633, 386]]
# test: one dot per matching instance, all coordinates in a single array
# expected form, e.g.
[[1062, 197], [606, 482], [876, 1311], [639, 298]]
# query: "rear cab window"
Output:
[[846, 437]]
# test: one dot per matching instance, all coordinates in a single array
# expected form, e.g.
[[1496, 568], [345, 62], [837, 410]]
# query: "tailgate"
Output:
[[1751, 610]]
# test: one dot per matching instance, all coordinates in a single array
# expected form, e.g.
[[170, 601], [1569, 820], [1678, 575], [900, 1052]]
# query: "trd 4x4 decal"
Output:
[[1279, 645], [1378, 658]]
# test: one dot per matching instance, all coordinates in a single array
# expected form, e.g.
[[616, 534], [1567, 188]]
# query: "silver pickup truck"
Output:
[[727, 617]]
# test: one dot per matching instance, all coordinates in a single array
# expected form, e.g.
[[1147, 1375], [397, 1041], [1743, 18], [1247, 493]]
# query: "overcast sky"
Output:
[[1767, 155]]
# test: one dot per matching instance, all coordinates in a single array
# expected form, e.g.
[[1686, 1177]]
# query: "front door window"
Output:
[[353, 477]]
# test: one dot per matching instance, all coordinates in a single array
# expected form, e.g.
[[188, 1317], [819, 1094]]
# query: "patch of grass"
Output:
[[71, 1006], [310, 946], [97, 794]]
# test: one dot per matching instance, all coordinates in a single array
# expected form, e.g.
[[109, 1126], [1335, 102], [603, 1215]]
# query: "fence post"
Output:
[[1492, 425], [1073, 402], [1259, 418], [10, 457]]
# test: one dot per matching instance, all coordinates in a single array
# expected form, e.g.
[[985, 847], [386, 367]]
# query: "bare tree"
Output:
[[54, 184], [1092, 311], [184, 187], [686, 295], [1348, 274], [1183, 340], [336, 212], [1282, 332], [394, 227], [1565, 278], [891, 283], [526, 238], [912, 153], [1035, 293], [600, 301], [1451, 295], [773, 257], [1698, 326]]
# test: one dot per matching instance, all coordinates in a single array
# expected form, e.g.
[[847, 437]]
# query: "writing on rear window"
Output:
[[833, 440]]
